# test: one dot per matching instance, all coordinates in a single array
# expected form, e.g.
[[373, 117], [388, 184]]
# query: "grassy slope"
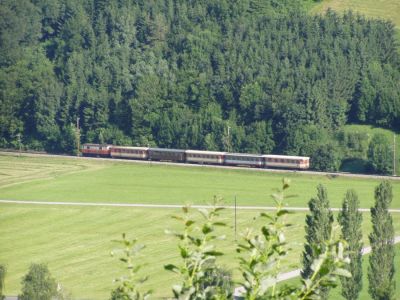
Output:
[[383, 9], [110, 181]]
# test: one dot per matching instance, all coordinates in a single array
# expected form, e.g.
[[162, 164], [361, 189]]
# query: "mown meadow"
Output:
[[88, 180], [76, 242]]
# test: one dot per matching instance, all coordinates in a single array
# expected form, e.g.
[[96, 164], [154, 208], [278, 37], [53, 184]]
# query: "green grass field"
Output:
[[382, 9], [76, 242], [85, 180]]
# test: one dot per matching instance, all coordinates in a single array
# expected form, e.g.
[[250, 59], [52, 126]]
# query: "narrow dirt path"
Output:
[[173, 206]]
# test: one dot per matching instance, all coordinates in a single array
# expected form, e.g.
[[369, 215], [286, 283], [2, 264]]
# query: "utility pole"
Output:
[[78, 137], [229, 139], [19, 143], [235, 219]]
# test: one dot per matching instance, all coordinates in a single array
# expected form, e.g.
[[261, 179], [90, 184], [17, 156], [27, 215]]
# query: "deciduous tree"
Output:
[[38, 284]]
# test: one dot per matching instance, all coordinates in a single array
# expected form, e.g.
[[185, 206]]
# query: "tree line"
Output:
[[250, 76]]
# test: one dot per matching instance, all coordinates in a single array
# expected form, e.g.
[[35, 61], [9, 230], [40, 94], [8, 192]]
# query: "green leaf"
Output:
[[177, 289], [283, 212], [204, 212], [177, 218], [286, 183], [206, 229], [219, 224], [342, 272], [265, 215], [316, 265], [214, 253], [171, 267], [189, 223], [184, 252]]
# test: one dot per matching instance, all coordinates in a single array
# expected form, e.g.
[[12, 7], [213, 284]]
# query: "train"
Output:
[[197, 156]]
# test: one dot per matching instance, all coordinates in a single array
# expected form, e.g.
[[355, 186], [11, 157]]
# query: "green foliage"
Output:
[[381, 261], [128, 285], [220, 280], [265, 251], [3, 272], [350, 220], [354, 144], [38, 284], [318, 229], [198, 256], [309, 140], [326, 157], [179, 74], [380, 155]]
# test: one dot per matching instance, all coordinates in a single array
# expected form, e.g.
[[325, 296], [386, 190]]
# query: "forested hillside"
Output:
[[239, 75]]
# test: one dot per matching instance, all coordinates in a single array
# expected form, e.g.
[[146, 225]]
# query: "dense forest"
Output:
[[258, 76]]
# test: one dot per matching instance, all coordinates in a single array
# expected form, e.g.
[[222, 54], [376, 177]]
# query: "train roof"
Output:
[[96, 145], [130, 147], [204, 152], [244, 155], [167, 150], [286, 156]]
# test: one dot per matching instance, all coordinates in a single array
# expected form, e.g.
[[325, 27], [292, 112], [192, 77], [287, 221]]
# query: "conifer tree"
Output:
[[381, 261], [350, 220], [318, 229]]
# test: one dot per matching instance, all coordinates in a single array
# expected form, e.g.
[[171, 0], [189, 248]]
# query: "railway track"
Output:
[[328, 174]]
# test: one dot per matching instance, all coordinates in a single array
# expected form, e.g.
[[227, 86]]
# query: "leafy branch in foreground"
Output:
[[128, 284], [265, 251], [330, 264], [199, 256]]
